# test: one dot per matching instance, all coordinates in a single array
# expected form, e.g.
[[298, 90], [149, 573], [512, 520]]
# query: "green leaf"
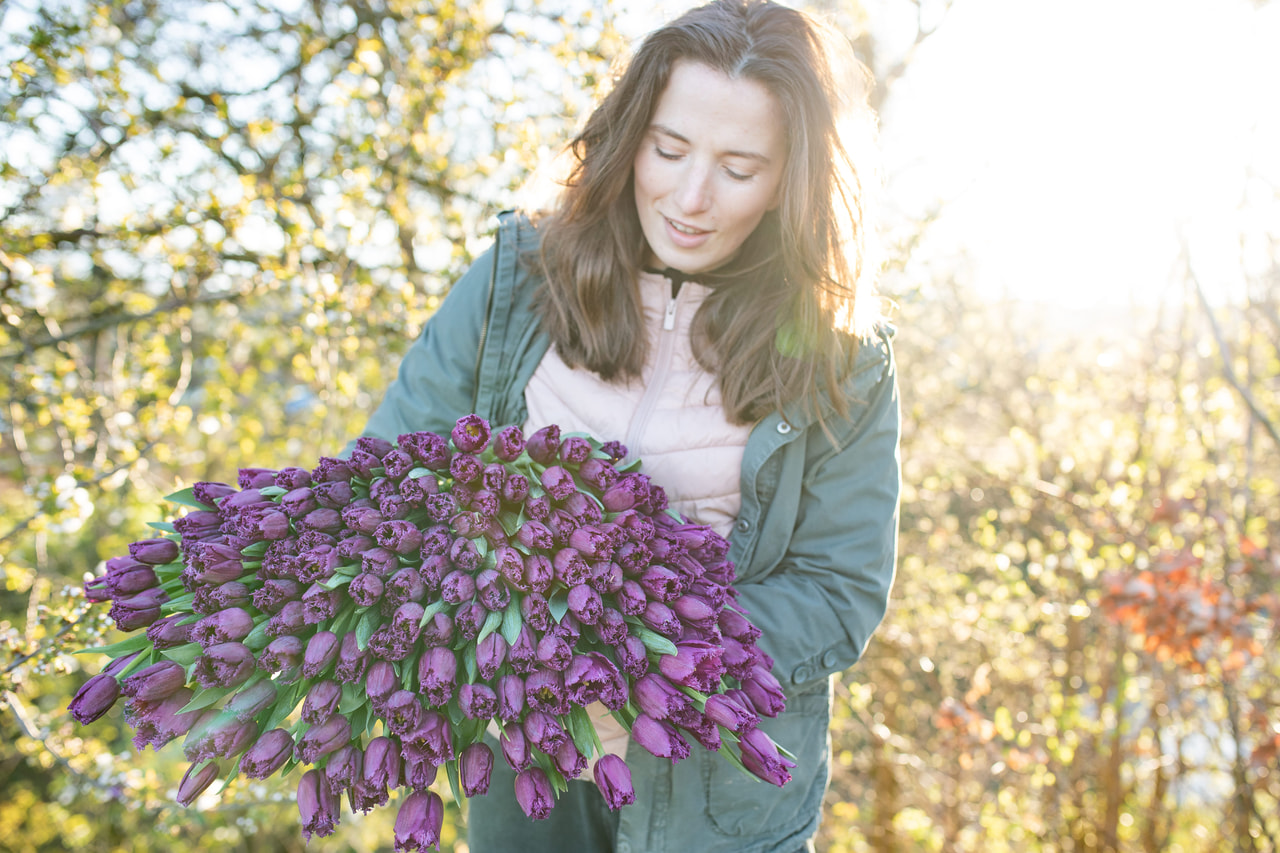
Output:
[[181, 604], [257, 549], [207, 698], [491, 623], [732, 758], [359, 719], [185, 655], [583, 732], [187, 497], [451, 771], [289, 699], [135, 643], [339, 579], [418, 473], [469, 663], [258, 639], [558, 604], [429, 612], [143, 659], [511, 621], [368, 623], [272, 491], [164, 526], [653, 641]]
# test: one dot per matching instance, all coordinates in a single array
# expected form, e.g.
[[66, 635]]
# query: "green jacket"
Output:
[[814, 544]]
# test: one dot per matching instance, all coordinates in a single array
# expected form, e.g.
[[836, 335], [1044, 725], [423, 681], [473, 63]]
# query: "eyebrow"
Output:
[[749, 155]]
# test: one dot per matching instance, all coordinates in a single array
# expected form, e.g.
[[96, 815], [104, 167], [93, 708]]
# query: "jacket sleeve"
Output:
[[818, 608], [435, 384]]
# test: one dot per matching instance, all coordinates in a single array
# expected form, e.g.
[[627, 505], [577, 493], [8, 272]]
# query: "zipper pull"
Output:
[[669, 320]]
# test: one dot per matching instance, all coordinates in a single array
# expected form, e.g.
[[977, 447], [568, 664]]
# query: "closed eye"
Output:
[[666, 155]]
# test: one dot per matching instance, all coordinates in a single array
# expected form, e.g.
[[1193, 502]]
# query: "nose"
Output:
[[694, 194]]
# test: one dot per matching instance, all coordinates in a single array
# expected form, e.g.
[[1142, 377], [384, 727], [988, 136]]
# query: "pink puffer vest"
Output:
[[671, 417]]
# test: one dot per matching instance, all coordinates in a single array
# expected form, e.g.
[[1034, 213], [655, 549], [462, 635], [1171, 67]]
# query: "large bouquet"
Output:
[[370, 618]]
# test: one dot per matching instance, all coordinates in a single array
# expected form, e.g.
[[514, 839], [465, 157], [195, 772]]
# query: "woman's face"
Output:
[[708, 168]]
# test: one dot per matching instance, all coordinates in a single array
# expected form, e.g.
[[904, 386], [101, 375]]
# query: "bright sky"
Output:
[[1074, 143]]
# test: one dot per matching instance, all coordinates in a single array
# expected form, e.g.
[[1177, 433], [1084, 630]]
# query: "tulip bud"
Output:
[[534, 794], [94, 698], [194, 782]]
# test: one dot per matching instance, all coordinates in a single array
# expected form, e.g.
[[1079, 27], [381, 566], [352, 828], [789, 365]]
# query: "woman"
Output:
[[691, 295]]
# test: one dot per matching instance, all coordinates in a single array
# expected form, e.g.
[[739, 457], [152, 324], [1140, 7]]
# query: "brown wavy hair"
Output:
[[775, 329]]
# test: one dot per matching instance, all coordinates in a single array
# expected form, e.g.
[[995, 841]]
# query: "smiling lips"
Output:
[[685, 236]]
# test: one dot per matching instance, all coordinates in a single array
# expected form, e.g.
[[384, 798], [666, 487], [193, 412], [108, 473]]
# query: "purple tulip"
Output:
[[318, 805], [333, 495], [470, 434], [593, 677], [510, 698], [352, 661], [465, 468], [538, 507], [365, 589], [155, 683], [508, 444], [728, 712], [222, 627], [661, 618], [322, 651], [399, 536], [457, 586], [611, 627], [169, 633], [468, 620], [251, 701], [535, 611], [158, 723], [765, 692], [569, 628], [438, 631], [491, 654], [534, 794], [267, 755], [739, 660], [760, 755], [403, 712], [535, 535], [474, 767], [515, 747], [155, 552], [515, 489], [322, 739], [477, 701], [209, 600], [321, 702], [209, 493], [343, 767], [427, 448], [569, 761], [283, 654], [94, 698], [298, 502], [633, 657], [433, 570], [419, 820], [543, 731], [224, 665], [544, 690], [659, 738], [695, 664], [194, 782], [554, 652], [418, 774], [406, 621], [126, 576], [492, 590], [218, 735], [585, 603], [598, 473], [381, 769], [431, 739], [523, 652], [570, 568], [574, 450], [437, 675], [558, 482], [95, 590], [319, 604], [317, 563], [538, 573], [380, 682], [288, 620], [139, 610], [510, 565], [613, 778]]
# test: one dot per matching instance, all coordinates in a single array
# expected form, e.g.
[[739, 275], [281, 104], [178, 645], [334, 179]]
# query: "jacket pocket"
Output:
[[740, 804]]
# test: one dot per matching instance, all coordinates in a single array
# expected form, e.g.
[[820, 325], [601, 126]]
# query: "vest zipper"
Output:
[[661, 367]]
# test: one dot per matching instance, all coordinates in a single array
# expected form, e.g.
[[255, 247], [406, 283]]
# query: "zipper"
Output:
[[484, 327], [661, 367]]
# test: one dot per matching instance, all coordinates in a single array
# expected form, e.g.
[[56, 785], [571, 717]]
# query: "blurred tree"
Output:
[[221, 223]]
